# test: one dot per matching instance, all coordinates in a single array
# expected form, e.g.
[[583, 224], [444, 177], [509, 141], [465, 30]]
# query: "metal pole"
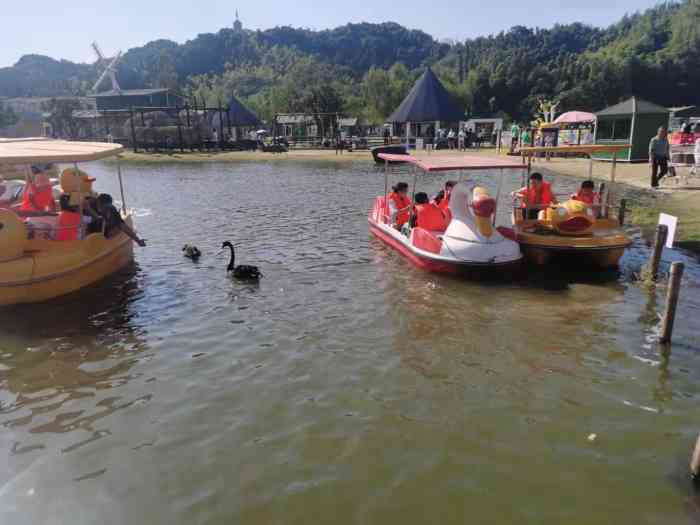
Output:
[[659, 242], [121, 185], [674, 287]]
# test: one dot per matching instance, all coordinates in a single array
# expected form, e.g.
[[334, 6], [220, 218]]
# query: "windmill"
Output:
[[110, 69]]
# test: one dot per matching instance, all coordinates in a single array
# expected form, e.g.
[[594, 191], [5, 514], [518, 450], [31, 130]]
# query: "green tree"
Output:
[[7, 116]]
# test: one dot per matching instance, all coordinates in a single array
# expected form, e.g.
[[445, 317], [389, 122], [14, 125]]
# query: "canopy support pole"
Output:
[[81, 231], [121, 185]]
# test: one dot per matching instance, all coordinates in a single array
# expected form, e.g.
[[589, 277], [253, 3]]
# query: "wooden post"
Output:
[[659, 242], [134, 144], [143, 122], [500, 134], [221, 127], [228, 121], [674, 287], [187, 112], [623, 210]]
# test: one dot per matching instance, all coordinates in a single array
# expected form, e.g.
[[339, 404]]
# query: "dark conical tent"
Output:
[[428, 101], [241, 116]]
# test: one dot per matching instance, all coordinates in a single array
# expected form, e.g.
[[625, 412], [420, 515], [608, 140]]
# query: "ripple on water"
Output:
[[346, 383]]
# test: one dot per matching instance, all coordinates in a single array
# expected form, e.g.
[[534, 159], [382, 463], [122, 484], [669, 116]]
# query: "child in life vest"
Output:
[[69, 220], [428, 215], [38, 193], [587, 193], [399, 205]]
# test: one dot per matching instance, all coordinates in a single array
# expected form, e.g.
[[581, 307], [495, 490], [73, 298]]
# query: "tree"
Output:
[[7, 116], [61, 117]]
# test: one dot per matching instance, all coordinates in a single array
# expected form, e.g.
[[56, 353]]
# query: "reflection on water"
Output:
[[348, 386]]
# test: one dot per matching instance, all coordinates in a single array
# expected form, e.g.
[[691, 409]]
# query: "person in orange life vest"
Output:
[[68, 220], [537, 197], [38, 193], [428, 215], [445, 202], [399, 205], [587, 193]]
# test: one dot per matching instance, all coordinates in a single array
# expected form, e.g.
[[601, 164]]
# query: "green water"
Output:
[[348, 387]]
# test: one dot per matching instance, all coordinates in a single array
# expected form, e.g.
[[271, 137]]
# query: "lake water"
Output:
[[349, 386]]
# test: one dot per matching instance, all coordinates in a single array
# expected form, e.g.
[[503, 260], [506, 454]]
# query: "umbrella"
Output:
[[575, 117]]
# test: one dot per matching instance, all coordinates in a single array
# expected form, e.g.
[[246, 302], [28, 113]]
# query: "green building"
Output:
[[634, 121]]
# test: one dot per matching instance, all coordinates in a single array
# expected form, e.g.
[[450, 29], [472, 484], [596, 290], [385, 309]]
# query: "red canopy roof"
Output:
[[464, 162]]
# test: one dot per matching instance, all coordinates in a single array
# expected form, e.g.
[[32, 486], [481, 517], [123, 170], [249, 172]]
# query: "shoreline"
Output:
[[642, 212]]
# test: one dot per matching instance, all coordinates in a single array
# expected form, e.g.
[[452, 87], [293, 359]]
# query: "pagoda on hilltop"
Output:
[[237, 25]]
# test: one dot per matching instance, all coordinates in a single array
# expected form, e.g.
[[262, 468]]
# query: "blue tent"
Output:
[[428, 101]]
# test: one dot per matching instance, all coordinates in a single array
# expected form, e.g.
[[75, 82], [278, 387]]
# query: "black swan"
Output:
[[191, 252], [242, 271]]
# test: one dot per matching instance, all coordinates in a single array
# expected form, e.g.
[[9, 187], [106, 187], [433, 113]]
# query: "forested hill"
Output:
[[366, 69], [355, 46]]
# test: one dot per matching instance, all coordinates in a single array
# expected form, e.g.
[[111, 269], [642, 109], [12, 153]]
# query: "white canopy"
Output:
[[44, 151]]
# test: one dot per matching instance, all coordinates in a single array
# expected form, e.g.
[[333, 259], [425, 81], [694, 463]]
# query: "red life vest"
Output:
[[400, 202], [431, 217], [531, 197], [590, 198], [38, 199], [68, 226]]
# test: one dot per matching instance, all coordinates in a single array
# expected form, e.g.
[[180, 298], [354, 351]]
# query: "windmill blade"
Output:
[[99, 80], [98, 52]]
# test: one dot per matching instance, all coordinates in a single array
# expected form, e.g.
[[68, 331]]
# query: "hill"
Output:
[[367, 68]]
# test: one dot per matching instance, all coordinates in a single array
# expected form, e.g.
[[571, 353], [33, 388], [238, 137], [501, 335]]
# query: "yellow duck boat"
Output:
[[33, 266], [592, 233]]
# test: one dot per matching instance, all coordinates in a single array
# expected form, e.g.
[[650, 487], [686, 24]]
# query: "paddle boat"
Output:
[[34, 265], [470, 243], [591, 233], [395, 149]]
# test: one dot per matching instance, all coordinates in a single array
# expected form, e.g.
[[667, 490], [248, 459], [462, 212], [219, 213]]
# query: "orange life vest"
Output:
[[531, 197], [430, 217], [400, 202], [38, 199], [68, 226], [590, 198]]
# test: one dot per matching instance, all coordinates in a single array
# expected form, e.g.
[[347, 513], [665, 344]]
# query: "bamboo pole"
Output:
[[674, 287], [659, 242]]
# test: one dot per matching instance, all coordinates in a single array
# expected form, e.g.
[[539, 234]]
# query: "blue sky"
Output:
[[64, 29]]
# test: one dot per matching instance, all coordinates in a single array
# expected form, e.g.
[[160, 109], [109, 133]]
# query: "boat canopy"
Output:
[[45, 151], [445, 163]]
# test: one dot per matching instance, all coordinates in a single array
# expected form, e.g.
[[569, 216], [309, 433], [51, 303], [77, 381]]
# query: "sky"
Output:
[[65, 29]]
